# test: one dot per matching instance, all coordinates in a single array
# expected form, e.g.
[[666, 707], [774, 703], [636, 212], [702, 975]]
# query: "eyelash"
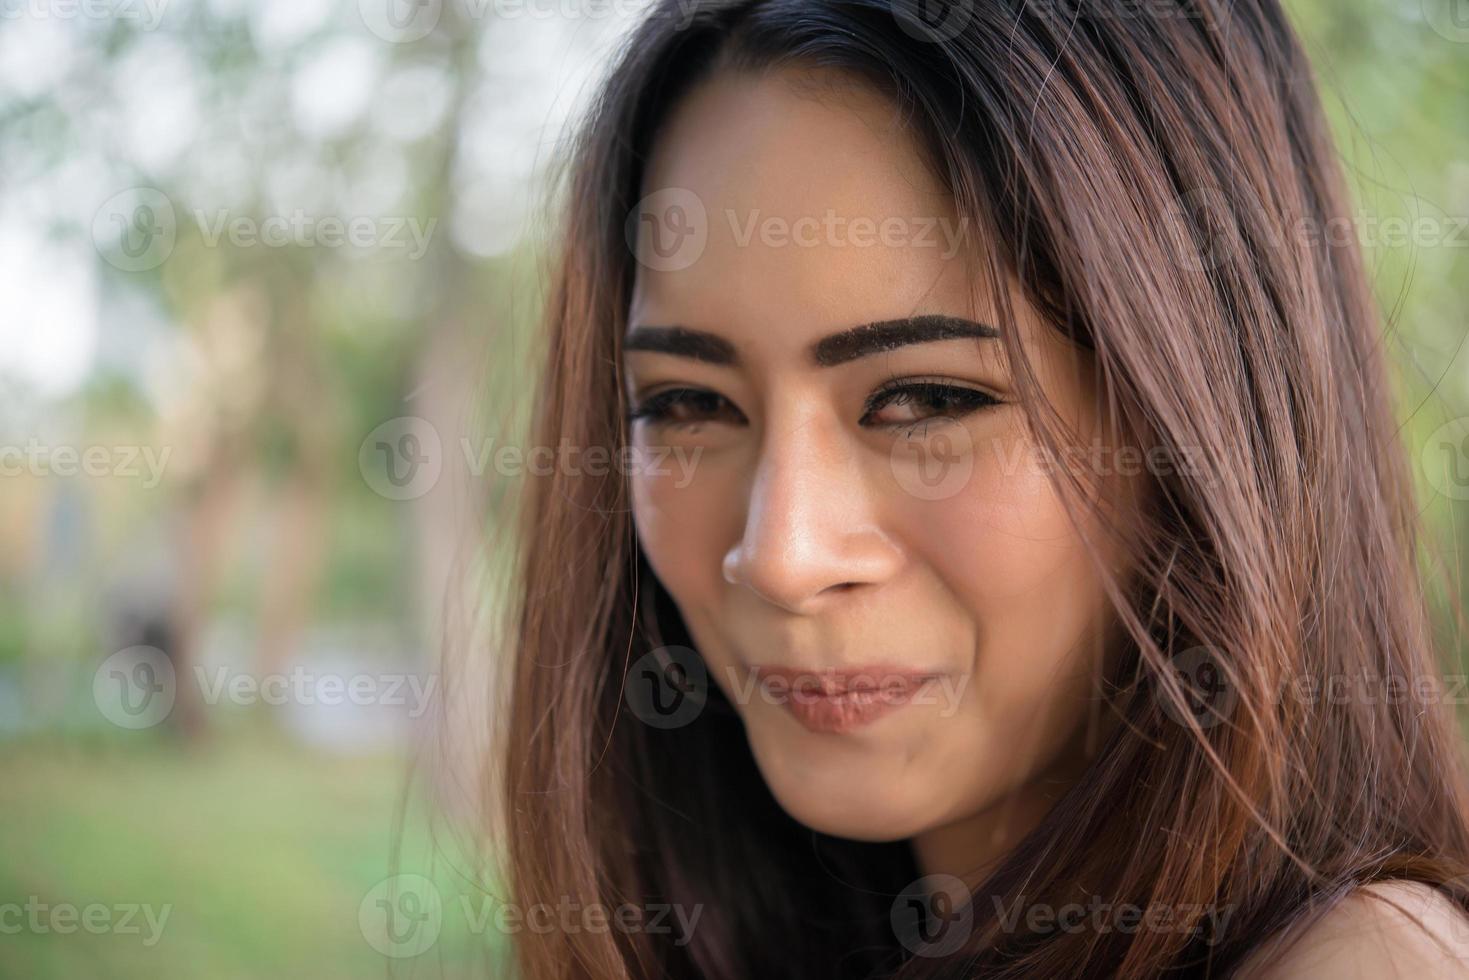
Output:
[[969, 400], [658, 407]]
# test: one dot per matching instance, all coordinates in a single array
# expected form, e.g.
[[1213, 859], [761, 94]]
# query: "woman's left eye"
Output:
[[914, 402]]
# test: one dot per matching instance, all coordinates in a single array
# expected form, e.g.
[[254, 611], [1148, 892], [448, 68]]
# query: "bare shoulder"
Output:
[[1372, 933]]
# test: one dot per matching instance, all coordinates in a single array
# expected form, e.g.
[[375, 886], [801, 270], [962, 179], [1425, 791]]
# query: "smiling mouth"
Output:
[[834, 702]]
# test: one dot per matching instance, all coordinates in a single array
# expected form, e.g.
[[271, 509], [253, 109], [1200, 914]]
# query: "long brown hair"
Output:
[[1157, 178]]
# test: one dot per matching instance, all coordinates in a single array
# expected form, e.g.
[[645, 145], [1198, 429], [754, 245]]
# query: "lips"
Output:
[[838, 701]]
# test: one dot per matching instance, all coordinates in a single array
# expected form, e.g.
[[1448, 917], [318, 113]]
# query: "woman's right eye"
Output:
[[686, 407]]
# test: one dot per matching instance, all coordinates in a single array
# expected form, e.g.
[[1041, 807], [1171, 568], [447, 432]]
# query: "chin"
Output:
[[860, 815], [854, 798]]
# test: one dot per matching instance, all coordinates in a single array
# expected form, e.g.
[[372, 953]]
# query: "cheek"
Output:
[[686, 510], [1007, 549], [687, 519]]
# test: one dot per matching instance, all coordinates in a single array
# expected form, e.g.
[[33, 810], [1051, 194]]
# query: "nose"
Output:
[[812, 531]]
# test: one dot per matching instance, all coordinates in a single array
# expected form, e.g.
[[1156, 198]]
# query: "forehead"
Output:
[[817, 207]]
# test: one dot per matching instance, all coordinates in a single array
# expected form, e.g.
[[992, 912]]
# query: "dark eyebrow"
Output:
[[838, 348], [682, 342], [885, 335]]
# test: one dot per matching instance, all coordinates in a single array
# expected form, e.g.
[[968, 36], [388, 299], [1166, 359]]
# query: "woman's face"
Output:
[[866, 550]]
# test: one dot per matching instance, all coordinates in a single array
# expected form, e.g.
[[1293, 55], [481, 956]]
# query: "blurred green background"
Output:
[[251, 253]]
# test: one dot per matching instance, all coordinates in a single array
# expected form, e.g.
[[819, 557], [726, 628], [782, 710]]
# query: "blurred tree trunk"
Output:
[[209, 516], [301, 499]]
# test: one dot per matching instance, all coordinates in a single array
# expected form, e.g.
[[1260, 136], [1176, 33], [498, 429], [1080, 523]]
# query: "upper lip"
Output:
[[836, 681]]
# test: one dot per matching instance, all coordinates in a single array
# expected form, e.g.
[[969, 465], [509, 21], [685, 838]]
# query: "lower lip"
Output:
[[833, 708]]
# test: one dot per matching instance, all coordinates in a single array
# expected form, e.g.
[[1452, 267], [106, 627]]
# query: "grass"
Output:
[[261, 853]]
